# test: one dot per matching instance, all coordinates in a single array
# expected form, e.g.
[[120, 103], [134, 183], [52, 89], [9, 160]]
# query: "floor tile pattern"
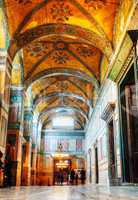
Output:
[[85, 192]]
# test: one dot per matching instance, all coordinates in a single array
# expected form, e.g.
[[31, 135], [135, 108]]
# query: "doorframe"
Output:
[[108, 116], [122, 145]]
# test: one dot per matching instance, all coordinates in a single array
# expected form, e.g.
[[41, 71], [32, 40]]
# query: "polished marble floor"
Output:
[[86, 192]]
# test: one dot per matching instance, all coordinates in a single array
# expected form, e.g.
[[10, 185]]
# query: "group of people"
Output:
[[5, 169], [71, 177]]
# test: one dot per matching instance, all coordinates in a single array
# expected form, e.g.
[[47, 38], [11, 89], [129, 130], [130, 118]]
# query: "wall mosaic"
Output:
[[37, 49], [96, 4]]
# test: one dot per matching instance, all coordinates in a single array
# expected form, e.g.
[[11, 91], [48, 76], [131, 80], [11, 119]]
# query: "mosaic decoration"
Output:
[[62, 85], [68, 144], [40, 31], [61, 57], [79, 145], [96, 4], [85, 51], [60, 11], [3, 131], [37, 49], [24, 2]]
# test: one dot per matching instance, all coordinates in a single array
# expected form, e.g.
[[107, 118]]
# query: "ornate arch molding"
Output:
[[68, 104], [66, 72], [78, 86], [88, 36], [51, 95], [45, 57]]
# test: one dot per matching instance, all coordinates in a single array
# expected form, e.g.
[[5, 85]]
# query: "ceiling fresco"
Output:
[[62, 44], [88, 14]]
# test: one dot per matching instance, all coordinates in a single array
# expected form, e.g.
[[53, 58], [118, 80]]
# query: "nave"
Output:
[[68, 99]]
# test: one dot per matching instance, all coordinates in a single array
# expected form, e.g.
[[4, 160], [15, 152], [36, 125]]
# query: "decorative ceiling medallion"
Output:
[[96, 4], [61, 57], [85, 51], [60, 11], [24, 2], [37, 49], [60, 45]]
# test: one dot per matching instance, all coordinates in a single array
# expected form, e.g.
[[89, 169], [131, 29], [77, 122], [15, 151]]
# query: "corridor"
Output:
[[68, 99], [86, 192]]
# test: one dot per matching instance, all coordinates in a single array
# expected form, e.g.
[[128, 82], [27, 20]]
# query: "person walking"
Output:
[[76, 178], [83, 176], [1, 169], [72, 176], [8, 170]]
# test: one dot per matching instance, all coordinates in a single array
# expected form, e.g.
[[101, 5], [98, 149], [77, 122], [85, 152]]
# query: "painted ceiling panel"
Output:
[[44, 54], [90, 14], [60, 12], [57, 59]]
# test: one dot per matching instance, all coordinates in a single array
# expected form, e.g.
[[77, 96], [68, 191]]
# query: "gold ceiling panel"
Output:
[[62, 84], [17, 10], [40, 85], [63, 11], [62, 59], [88, 14], [61, 101], [43, 105], [65, 86]]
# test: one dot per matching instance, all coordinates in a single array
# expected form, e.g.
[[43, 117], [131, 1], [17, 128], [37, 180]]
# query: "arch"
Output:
[[68, 105], [63, 108], [71, 82], [73, 2], [66, 72], [59, 29], [57, 94], [45, 57]]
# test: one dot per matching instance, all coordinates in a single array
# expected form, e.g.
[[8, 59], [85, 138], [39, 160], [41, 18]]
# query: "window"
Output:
[[63, 122]]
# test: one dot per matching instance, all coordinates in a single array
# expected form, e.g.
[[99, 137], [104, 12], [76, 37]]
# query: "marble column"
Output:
[[27, 162], [34, 162], [15, 133], [5, 77]]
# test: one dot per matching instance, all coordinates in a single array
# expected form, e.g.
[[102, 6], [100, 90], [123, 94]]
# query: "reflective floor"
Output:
[[87, 192]]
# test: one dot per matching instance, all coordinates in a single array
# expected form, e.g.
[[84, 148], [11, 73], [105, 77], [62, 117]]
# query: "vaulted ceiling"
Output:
[[62, 42]]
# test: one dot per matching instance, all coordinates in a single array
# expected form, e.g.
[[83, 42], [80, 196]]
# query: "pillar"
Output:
[[34, 162], [27, 154], [15, 133], [45, 171], [4, 104]]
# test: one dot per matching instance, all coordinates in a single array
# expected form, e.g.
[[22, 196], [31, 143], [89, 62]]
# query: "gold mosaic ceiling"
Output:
[[63, 41]]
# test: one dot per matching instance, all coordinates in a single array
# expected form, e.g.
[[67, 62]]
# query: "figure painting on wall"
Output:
[[3, 131]]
